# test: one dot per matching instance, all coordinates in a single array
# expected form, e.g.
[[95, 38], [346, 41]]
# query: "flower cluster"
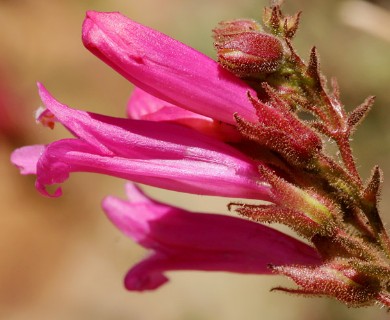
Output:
[[232, 128]]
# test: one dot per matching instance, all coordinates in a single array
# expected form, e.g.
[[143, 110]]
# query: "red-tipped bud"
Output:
[[245, 51]]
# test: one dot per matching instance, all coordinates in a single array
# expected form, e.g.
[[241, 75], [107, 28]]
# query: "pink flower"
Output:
[[183, 240], [160, 154], [166, 68]]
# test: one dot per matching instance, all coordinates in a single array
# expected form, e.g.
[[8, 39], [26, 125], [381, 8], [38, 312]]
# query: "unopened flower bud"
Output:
[[245, 51]]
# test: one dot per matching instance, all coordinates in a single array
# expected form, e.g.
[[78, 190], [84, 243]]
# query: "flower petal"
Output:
[[183, 240], [166, 68], [26, 158], [144, 106]]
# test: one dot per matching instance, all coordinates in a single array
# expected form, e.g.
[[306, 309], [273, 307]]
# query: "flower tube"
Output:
[[183, 240], [160, 154]]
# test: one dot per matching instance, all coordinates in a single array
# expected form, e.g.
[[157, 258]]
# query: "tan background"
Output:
[[62, 259]]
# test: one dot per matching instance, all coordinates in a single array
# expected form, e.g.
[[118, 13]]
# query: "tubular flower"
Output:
[[183, 240], [160, 154], [165, 67]]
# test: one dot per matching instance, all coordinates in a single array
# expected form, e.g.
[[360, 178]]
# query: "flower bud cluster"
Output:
[[321, 200]]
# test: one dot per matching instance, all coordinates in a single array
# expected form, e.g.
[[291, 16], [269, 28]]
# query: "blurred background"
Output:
[[61, 258]]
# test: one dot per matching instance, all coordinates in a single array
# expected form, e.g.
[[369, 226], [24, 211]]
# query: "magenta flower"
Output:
[[160, 154], [183, 240]]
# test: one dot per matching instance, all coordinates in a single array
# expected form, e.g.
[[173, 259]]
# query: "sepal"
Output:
[[358, 115], [281, 130], [303, 211], [298, 221], [280, 24], [289, 196], [372, 190], [313, 69]]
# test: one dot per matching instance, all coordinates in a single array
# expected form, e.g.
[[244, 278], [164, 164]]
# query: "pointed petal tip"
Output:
[[135, 195], [93, 14], [114, 209], [131, 220], [107, 201], [40, 85], [43, 92], [50, 103], [88, 24]]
